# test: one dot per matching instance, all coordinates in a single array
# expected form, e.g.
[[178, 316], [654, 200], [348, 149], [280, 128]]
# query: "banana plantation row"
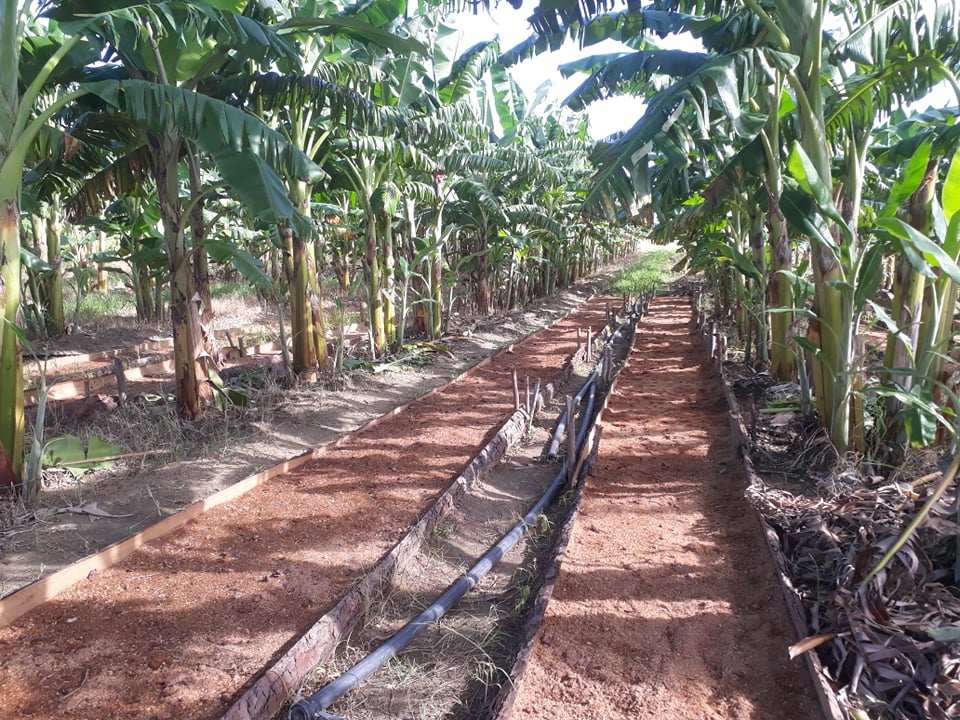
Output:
[[789, 158], [820, 204], [781, 152], [169, 140]]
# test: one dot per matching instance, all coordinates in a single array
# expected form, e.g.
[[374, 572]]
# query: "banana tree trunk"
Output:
[[101, 267], [315, 300], [908, 288], [780, 300], [483, 296], [191, 388], [11, 362], [418, 272], [301, 331], [56, 320], [832, 333], [187, 339], [198, 231], [760, 262], [374, 296], [388, 279], [435, 306], [143, 293], [510, 299], [933, 337]]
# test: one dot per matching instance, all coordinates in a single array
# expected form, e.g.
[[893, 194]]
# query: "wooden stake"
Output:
[[589, 344], [118, 371], [579, 342], [526, 402], [571, 438], [516, 391]]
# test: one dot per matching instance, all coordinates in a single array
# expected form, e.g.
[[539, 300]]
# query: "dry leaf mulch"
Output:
[[890, 649]]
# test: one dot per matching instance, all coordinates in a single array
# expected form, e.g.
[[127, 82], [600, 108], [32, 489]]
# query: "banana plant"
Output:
[[897, 50], [307, 107], [21, 122], [166, 55], [925, 294], [247, 154]]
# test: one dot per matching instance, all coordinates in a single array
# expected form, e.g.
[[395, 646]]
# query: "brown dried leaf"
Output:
[[809, 643]]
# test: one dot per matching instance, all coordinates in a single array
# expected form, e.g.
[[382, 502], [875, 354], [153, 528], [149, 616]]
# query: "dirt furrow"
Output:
[[667, 605], [178, 629]]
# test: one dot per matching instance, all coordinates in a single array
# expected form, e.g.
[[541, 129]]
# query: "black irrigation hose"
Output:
[[561, 428], [585, 425], [314, 707], [554, 450]]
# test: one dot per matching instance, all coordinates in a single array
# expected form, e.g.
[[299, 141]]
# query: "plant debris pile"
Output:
[[890, 647], [783, 441]]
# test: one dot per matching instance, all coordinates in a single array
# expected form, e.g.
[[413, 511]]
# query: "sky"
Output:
[[511, 27], [606, 116]]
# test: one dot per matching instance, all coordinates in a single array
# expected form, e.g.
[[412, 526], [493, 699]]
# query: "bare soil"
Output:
[[179, 628], [188, 462], [667, 606]]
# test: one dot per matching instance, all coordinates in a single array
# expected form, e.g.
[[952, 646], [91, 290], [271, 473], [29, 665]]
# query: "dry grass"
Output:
[[452, 669]]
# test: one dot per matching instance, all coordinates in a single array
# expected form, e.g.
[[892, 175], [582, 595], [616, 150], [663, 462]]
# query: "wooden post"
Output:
[[516, 391], [589, 344], [121, 382], [536, 400], [526, 402], [571, 438], [578, 339]]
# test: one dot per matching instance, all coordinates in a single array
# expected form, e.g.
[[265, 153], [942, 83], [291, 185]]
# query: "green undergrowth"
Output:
[[232, 289], [94, 305], [644, 276]]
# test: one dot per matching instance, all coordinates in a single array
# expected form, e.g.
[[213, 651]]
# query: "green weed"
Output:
[[644, 276]]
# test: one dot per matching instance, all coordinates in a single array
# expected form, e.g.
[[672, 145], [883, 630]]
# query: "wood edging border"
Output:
[[53, 363], [154, 366], [30, 596], [504, 703], [739, 443]]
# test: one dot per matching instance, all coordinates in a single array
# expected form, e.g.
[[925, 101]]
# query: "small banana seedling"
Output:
[[68, 452]]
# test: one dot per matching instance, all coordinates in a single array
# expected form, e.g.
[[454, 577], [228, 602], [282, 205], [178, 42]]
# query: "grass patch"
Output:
[[93, 305], [232, 289], [644, 276]]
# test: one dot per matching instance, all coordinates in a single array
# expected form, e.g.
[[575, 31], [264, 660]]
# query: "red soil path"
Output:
[[667, 605]]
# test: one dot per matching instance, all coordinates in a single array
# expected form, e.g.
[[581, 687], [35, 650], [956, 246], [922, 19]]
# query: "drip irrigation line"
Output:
[[554, 449], [561, 428], [585, 425], [314, 707]]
